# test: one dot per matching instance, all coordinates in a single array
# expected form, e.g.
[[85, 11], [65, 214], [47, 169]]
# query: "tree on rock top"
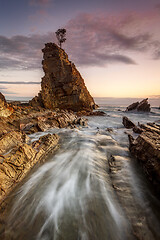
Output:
[[61, 36]]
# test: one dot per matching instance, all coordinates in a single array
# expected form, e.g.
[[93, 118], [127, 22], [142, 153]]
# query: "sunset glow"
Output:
[[116, 47]]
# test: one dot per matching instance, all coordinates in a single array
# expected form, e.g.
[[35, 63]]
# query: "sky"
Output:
[[115, 44]]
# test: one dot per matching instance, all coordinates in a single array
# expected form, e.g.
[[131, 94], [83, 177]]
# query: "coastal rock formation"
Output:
[[33, 119], [16, 164], [127, 122], [5, 111], [11, 140], [62, 86], [17, 154], [146, 149], [90, 113], [142, 106]]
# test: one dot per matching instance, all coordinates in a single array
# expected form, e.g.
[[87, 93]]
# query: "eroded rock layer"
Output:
[[16, 163], [146, 149], [62, 86]]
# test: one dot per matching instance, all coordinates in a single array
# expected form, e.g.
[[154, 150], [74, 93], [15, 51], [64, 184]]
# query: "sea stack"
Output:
[[62, 86]]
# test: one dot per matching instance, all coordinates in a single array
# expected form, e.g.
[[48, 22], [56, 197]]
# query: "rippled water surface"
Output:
[[75, 196]]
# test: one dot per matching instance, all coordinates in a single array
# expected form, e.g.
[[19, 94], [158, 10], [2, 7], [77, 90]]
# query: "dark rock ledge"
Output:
[[142, 106], [146, 149]]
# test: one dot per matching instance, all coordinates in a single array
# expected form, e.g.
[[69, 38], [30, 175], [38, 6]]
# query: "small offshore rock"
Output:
[[142, 106]]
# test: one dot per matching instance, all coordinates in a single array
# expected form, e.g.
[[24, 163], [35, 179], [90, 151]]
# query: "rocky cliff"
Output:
[[62, 86]]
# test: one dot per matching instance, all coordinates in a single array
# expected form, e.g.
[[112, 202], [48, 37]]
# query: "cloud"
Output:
[[40, 2], [4, 91], [2, 88], [22, 52], [111, 38], [92, 40], [10, 82], [157, 6], [100, 59]]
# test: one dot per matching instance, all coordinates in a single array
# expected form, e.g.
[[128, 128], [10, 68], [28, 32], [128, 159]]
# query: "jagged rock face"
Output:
[[146, 148], [62, 86], [5, 111], [142, 106], [15, 164]]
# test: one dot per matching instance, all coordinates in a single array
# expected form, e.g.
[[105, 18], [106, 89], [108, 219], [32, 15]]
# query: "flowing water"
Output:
[[75, 196]]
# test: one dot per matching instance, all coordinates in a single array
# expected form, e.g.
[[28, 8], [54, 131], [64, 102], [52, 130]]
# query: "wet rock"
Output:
[[30, 127], [133, 106], [81, 121], [110, 130], [137, 129], [127, 122], [151, 127], [142, 106], [111, 163], [62, 86], [90, 113], [17, 163], [45, 123], [146, 149], [30, 119]]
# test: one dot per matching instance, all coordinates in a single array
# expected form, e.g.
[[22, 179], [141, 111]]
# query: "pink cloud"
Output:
[[96, 37], [92, 40]]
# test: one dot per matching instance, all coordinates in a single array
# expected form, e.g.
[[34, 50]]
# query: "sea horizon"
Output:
[[107, 101]]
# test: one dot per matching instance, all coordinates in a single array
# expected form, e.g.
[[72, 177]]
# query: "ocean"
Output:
[[154, 102], [78, 194]]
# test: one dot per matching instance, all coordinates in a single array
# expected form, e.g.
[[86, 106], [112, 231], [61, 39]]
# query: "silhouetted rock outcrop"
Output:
[[142, 106], [62, 86], [127, 122]]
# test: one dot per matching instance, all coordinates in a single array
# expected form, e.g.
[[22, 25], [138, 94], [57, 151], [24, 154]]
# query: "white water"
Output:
[[71, 196]]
